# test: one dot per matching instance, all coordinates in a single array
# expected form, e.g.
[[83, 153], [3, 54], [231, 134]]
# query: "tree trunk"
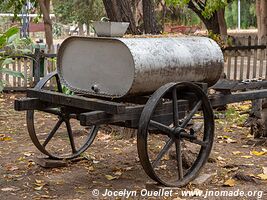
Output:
[[81, 31], [261, 6], [45, 10], [212, 24], [258, 8], [120, 10], [150, 24], [222, 23]]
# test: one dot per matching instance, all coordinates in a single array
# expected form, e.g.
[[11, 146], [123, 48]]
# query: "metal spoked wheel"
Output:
[[172, 152], [57, 132], [65, 140]]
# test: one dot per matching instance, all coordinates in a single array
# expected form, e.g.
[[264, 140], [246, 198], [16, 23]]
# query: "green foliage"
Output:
[[10, 45], [234, 117], [208, 7], [66, 90], [221, 42], [81, 11], [15, 6]]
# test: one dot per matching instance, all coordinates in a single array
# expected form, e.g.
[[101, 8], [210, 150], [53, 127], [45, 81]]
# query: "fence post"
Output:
[[37, 69]]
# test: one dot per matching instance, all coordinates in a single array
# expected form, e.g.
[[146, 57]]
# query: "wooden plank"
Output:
[[251, 47], [235, 65], [6, 75], [248, 59], [77, 101], [46, 162], [224, 84], [30, 72], [25, 67], [255, 59], [221, 100], [261, 64], [132, 113], [228, 73], [15, 89], [14, 69], [241, 75], [19, 69], [29, 104]]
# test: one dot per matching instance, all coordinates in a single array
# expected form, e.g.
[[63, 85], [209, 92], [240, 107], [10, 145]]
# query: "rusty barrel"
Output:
[[120, 67]]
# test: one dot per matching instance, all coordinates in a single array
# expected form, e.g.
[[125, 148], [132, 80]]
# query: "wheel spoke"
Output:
[[179, 159], [70, 136], [175, 107], [163, 152], [161, 127], [52, 133], [191, 114]]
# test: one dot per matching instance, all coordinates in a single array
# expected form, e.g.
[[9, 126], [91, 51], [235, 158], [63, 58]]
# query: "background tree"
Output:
[[45, 10], [261, 7], [211, 12], [150, 23], [121, 10], [44, 6], [80, 11]]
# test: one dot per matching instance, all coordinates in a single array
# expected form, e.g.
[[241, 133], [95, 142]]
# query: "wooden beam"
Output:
[[77, 101], [132, 113], [29, 104], [221, 100]]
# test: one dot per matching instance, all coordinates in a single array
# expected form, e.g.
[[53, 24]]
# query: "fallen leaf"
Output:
[[220, 158], [228, 130], [10, 189], [91, 168], [39, 188], [230, 182], [118, 173], [264, 169], [237, 152], [109, 177], [223, 137], [264, 150], [5, 138], [229, 140], [258, 153], [12, 168], [128, 168], [232, 169], [39, 181], [246, 156], [27, 154], [262, 176]]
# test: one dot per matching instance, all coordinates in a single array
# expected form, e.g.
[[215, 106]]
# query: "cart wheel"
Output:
[[172, 149], [62, 137]]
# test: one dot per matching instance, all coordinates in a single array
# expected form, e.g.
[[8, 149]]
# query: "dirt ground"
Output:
[[236, 163]]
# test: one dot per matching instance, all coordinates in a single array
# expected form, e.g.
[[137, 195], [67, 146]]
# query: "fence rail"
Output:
[[32, 66], [246, 62]]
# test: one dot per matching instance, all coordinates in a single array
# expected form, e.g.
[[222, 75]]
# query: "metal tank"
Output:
[[119, 67]]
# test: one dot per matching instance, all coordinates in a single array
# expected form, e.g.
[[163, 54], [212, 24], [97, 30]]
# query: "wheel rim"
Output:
[[175, 135], [64, 117], [42, 143]]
